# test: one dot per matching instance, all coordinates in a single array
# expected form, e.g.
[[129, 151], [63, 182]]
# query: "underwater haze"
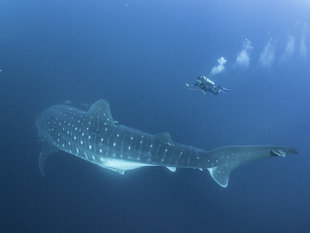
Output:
[[139, 55]]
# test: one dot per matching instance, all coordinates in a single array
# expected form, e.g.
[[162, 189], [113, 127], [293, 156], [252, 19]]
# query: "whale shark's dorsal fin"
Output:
[[101, 109], [165, 138]]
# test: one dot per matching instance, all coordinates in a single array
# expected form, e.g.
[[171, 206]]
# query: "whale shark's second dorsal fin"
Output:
[[165, 138], [101, 109]]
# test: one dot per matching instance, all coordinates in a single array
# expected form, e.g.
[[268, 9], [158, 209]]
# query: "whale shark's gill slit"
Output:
[[122, 140]]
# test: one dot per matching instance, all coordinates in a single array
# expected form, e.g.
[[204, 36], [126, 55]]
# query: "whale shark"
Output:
[[94, 136]]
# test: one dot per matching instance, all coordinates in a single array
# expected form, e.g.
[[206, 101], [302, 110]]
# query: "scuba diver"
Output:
[[205, 84]]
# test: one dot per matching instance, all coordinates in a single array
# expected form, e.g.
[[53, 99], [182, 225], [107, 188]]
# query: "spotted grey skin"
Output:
[[94, 136]]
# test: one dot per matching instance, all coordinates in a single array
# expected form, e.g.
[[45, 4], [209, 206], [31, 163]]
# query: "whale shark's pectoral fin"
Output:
[[117, 170], [47, 150]]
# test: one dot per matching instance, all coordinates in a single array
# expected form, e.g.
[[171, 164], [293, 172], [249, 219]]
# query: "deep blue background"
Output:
[[138, 55]]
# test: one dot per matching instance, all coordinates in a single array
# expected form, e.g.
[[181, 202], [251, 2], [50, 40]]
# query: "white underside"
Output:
[[121, 166]]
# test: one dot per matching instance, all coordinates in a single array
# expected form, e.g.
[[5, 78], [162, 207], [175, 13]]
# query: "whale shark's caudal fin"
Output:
[[47, 150], [231, 157]]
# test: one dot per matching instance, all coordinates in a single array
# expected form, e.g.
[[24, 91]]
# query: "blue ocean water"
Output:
[[138, 55]]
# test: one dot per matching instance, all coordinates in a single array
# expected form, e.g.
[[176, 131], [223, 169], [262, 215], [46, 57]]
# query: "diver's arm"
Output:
[[194, 86], [191, 85]]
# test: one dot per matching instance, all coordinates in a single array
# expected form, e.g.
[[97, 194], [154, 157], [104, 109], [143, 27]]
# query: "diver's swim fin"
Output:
[[226, 89]]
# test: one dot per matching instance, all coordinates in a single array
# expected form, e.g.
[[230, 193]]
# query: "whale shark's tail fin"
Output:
[[230, 157]]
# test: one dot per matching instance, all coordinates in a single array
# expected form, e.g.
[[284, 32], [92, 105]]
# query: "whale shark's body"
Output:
[[94, 136]]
